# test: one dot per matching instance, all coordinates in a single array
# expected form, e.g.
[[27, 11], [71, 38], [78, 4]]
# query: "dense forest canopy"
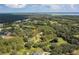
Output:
[[39, 34]]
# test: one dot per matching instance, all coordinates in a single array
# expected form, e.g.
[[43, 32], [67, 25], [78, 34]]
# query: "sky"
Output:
[[15, 8]]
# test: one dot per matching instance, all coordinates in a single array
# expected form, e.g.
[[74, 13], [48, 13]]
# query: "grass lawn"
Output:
[[76, 52], [77, 36], [61, 41]]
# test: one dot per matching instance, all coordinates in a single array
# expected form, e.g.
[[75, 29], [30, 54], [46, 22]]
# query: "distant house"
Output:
[[18, 21], [46, 53], [1, 25], [26, 20], [7, 33], [41, 53], [1, 29]]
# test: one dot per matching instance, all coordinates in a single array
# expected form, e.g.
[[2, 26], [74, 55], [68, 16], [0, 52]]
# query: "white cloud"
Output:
[[55, 7], [15, 5], [72, 6]]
